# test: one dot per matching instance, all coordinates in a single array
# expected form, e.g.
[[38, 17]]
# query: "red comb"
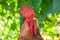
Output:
[[27, 12]]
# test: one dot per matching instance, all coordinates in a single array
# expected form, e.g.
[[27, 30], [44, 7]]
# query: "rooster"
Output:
[[29, 29]]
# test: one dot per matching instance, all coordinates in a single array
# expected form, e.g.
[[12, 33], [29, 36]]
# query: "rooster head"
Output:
[[28, 13]]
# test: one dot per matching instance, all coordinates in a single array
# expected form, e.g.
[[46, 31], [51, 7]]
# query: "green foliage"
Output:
[[47, 13], [50, 25], [9, 20]]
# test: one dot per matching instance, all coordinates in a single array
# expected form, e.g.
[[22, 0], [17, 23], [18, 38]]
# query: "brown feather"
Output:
[[25, 34]]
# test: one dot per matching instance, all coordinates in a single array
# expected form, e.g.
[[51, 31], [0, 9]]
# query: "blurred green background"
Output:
[[47, 14]]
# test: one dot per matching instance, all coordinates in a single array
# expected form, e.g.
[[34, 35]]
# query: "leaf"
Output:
[[23, 3], [13, 26], [35, 4], [47, 6], [56, 6], [40, 21], [50, 6]]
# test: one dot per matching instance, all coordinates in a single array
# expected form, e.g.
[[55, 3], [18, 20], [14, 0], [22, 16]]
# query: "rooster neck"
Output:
[[32, 25]]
